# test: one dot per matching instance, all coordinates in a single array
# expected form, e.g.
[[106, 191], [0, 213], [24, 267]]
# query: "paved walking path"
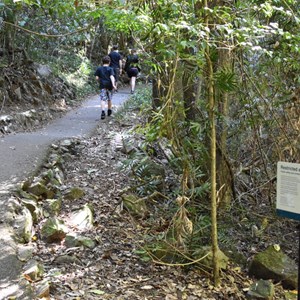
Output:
[[20, 156]]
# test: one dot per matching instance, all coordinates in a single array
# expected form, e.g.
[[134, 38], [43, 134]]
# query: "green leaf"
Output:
[[225, 80]]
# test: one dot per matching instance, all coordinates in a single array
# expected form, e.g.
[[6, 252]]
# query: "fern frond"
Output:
[[225, 80]]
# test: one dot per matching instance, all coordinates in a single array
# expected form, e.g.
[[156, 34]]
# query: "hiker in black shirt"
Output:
[[116, 63], [132, 68], [105, 77]]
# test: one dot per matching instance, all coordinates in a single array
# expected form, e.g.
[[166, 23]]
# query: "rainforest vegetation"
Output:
[[221, 105]]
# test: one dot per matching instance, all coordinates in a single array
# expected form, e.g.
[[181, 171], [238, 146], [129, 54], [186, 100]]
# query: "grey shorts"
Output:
[[105, 95]]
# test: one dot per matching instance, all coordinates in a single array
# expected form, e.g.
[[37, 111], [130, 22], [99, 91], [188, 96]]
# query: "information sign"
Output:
[[288, 190]]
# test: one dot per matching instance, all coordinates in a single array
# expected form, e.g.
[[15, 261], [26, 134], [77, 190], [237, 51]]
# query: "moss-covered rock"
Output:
[[67, 259], [261, 290], [33, 271], [74, 193], [38, 188], [274, 264], [53, 230], [25, 252], [42, 289], [33, 207], [135, 206], [23, 225], [73, 240], [52, 207], [205, 257]]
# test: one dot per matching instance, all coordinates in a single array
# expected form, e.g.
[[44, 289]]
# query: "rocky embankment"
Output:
[[31, 97]]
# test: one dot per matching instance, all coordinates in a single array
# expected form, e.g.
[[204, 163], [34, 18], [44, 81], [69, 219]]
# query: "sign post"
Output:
[[288, 198]]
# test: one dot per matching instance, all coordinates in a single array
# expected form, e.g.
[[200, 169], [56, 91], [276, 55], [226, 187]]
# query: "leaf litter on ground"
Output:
[[113, 269]]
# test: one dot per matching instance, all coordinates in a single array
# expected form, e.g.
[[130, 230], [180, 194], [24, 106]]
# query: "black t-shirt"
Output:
[[104, 74], [131, 61], [115, 58]]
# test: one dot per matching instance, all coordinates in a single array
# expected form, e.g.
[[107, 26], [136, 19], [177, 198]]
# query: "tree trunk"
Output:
[[189, 84], [224, 177], [156, 94], [213, 167]]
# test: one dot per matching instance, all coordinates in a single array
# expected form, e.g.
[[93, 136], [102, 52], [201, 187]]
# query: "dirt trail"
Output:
[[21, 155]]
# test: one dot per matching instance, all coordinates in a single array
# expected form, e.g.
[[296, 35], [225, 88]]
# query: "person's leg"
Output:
[[109, 103], [103, 99], [103, 104], [130, 76], [117, 73], [132, 83]]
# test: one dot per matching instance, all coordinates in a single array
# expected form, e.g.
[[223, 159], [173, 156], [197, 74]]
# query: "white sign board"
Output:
[[288, 190]]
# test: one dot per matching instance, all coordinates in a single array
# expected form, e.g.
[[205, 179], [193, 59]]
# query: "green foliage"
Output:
[[147, 175], [225, 80], [201, 231], [262, 36], [140, 101], [143, 254], [121, 21], [153, 131]]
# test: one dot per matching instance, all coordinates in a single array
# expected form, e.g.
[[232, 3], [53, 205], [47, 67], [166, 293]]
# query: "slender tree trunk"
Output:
[[189, 84], [224, 179], [156, 94], [213, 170], [8, 36], [224, 176]]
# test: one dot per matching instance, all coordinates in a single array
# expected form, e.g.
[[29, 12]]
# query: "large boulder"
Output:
[[274, 264]]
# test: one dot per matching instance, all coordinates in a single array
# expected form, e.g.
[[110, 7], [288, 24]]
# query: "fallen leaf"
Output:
[[147, 287], [97, 292]]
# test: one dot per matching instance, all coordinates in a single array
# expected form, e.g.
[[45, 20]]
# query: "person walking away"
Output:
[[116, 63], [132, 68], [105, 76]]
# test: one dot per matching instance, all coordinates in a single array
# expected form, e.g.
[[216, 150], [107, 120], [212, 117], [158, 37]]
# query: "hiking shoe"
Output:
[[109, 112], [103, 115]]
